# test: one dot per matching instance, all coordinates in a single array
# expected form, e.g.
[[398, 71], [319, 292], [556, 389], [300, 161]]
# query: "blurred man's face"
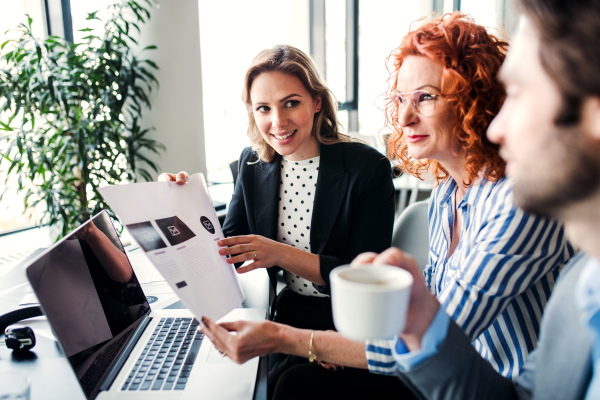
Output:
[[552, 166]]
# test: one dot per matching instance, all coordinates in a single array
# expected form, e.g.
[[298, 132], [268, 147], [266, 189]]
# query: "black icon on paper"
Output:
[[207, 225], [175, 230], [145, 234]]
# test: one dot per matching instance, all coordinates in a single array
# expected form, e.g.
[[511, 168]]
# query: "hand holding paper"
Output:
[[177, 227]]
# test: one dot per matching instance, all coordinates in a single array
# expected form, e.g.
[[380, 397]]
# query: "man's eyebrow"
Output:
[[287, 97]]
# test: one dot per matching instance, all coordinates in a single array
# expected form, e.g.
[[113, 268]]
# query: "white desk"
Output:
[[52, 377]]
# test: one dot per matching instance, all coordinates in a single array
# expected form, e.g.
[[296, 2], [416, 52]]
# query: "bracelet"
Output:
[[312, 357]]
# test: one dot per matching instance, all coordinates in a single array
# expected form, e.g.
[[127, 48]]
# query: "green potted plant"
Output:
[[70, 115]]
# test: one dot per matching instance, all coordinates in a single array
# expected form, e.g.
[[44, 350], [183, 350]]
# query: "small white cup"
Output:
[[370, 301]]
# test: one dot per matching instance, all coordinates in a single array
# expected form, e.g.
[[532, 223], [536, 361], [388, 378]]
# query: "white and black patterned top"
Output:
[[297, 196]]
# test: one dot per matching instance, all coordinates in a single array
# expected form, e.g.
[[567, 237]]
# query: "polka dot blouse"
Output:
[[296, 198]]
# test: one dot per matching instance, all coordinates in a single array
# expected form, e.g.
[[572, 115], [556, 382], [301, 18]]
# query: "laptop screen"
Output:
[[91, 296]]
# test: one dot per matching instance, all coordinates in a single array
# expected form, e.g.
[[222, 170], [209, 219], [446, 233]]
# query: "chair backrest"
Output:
[[411, 233], [234, 170]]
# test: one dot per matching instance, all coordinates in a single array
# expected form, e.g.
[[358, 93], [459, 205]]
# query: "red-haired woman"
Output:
[[491, 266]]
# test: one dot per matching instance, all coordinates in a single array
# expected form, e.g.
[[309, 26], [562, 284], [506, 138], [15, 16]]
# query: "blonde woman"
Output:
[[308, 198]]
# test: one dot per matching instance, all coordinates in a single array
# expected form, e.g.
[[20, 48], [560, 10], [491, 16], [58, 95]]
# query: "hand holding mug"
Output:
[[423, 305]]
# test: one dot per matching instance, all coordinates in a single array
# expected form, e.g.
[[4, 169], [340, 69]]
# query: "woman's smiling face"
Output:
[[284, 113]]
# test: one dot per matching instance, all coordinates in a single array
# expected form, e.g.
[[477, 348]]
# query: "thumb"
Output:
[[397, 258], [250, 267], [363, 258], [182, 177], [233, 326]]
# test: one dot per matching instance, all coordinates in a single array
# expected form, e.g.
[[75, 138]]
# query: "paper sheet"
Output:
[[177, 228]]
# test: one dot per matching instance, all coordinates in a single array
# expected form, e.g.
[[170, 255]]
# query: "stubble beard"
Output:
[[568, 173]]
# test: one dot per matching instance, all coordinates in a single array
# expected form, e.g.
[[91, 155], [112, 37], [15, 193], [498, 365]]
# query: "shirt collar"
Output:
[[450, 186]]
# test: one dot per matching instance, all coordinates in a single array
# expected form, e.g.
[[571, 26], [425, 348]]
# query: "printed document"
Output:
[[177, 228]]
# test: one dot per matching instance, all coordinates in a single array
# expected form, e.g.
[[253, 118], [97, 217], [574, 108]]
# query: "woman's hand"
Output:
[[180, 178], [265, 252], [243, 340], [330, 366], [423, 304]]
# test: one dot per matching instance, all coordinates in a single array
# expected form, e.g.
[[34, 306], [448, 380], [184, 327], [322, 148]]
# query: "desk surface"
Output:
[[51, 374]]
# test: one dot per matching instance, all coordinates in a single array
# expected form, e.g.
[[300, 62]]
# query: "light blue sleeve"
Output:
[[434, 336]]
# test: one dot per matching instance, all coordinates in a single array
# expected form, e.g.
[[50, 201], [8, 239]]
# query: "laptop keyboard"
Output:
[[96, 371], [167, 359]]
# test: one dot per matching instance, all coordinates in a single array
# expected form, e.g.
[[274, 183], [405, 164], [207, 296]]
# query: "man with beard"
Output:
[[549, 133]]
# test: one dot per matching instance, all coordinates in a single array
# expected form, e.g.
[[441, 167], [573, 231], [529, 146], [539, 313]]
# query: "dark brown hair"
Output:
[[569, 32], [471, 58]]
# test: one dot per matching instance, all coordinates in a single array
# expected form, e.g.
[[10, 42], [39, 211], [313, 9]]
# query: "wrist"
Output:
[[91, 234], [282, 338], [413, 335], [292, 340], [286, 255]]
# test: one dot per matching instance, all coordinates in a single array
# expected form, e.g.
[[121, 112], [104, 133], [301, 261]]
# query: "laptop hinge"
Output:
[[114, 371]]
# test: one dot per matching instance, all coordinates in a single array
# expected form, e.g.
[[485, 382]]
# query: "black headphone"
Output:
[[19, 339]]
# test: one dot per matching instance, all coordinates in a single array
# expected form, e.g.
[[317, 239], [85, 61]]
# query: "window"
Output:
[[79, 12], [11, 205], [497, 15], [335, 53], [382, 25]]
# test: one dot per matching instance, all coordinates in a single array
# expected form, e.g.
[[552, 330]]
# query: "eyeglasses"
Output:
[[424, 102]]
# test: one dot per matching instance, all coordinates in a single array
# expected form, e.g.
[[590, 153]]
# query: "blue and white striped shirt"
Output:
[[497, 281]]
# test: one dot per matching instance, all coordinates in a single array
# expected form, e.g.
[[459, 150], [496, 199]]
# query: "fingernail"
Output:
[[222, 252], [331, 369], [203, 320], [339, 368]]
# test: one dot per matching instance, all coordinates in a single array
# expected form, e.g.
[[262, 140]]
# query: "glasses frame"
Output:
[[409, 97]]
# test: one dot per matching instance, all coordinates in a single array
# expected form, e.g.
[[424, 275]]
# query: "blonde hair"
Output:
[[292, 61]]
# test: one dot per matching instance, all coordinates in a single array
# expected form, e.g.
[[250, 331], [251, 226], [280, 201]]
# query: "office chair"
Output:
[[234, 171], [411, 232]]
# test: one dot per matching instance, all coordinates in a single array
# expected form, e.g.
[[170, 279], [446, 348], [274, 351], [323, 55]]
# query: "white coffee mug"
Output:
[[370, 301]]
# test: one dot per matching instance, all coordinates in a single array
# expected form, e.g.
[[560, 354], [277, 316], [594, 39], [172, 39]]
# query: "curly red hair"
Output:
[[471, 58]]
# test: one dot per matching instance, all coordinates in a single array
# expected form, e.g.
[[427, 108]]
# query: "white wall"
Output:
[[177, 111]]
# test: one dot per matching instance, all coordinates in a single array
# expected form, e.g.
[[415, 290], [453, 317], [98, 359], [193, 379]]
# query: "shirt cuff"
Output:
[[434, 336]]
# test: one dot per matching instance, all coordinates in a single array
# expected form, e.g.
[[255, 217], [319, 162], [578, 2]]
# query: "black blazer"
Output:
[[353, 210]]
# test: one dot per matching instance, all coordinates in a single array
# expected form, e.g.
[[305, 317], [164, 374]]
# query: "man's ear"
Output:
[[590, 118]]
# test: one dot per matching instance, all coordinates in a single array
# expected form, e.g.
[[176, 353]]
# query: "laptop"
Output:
[[117, 346]]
